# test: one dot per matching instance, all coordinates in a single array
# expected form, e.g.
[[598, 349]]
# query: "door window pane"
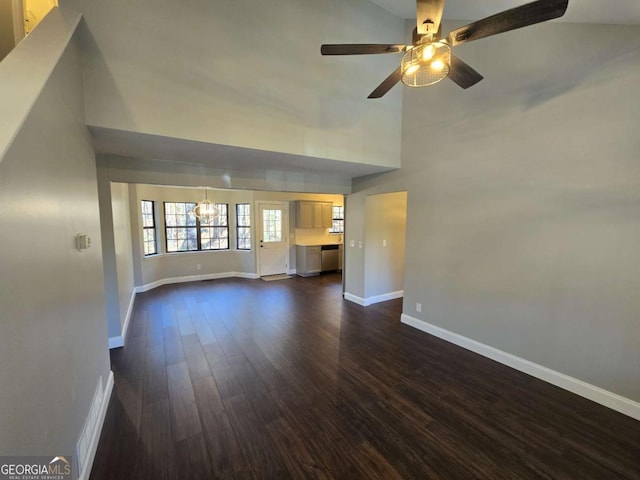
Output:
[[271, 226]]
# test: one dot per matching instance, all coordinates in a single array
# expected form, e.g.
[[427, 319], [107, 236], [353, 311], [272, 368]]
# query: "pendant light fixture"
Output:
[[206, 210]]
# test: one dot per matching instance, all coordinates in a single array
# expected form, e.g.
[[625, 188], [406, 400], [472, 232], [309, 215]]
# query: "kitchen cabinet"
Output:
[[308, 260], [314, 214]]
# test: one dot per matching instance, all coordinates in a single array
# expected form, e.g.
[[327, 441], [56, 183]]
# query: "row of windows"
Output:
[[185, 232]]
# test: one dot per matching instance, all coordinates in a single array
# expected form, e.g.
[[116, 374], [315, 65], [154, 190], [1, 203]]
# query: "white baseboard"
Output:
[[584, 389], [354, 298], [98, 422], [194, 278], [116, 342], [291, 271], [365, 302]]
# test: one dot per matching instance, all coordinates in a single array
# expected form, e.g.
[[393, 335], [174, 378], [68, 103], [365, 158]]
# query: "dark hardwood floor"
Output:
[[238, 379]]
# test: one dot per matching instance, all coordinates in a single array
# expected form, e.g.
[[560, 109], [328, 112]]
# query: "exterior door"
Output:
[[273, 245]]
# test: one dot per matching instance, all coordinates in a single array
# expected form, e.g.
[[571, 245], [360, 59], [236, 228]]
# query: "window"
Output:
[[337, 225], [243, 226], [185, 233], [271, 226], [149, 228], [214, 235], [180, 227]]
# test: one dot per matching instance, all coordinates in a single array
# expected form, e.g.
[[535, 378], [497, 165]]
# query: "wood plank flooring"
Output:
[[245, 379]]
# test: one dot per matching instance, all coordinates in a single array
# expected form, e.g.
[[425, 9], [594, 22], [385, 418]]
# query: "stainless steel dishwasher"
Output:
[[330, 254]]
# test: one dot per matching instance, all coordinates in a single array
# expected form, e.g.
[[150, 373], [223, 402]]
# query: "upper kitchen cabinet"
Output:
[[314, 214]]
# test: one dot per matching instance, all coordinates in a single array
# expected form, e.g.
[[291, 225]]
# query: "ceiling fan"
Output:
[[429, 59]]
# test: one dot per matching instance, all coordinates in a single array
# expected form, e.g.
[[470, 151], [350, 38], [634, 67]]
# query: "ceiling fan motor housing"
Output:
[[426, 64]]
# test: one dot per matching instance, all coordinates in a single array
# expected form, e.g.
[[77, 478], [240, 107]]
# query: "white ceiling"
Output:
[[622, 12]]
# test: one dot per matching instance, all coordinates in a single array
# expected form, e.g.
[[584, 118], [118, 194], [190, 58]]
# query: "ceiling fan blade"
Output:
[[360, 49], [387, 84], [517, 17], [463, 74], [428, 16]]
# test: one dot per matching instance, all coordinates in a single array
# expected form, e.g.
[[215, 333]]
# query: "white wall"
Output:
[[53, 346], [523, 200], [244, 73]]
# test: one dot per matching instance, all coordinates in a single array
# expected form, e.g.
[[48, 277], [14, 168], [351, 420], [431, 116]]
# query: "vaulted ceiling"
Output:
[[621, 12]]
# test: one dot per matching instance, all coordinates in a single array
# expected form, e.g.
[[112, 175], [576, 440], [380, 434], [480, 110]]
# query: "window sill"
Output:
[[195, 252]]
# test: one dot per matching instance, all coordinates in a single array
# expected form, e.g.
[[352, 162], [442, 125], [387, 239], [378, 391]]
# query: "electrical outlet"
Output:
[[384, 243], [352, 243], [198, 267], [418, 307], [360, 244]]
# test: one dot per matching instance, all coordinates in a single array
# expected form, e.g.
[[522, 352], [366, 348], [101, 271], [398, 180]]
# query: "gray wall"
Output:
[[52, 312], [272, 91], [143, 171], [523, 201], [385, 233], [109, 265]]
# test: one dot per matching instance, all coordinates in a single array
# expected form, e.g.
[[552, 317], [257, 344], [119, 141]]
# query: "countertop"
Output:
[[299, 244]]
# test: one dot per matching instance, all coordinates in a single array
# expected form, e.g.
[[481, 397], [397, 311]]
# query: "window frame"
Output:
[[216, 225], [243, 227], [168, 227], [337, 218], [151, 228]]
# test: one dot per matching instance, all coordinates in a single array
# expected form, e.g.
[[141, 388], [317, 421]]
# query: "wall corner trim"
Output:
[[116, 342], [608, 399], [95, 435], [354, 298], [365, 302]]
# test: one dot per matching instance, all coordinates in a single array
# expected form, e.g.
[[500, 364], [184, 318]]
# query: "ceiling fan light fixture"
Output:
[[426, 64], [437, 65]]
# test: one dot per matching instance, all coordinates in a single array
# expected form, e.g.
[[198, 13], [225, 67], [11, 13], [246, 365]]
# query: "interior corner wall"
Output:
[[523, 201], [53, 346]]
